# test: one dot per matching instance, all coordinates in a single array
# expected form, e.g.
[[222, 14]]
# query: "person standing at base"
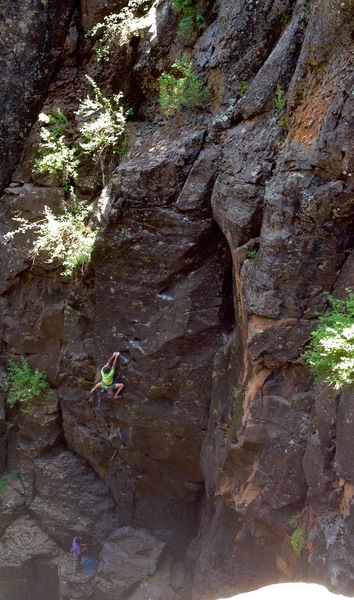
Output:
[[76, 549], [107, 377]]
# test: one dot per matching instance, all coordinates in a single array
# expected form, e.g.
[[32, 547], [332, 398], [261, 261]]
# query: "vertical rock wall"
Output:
[[33, 35], [219, 232], [269, 452]]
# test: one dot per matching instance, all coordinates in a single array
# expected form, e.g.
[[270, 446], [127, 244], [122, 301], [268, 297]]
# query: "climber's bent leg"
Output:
[[118, 387]]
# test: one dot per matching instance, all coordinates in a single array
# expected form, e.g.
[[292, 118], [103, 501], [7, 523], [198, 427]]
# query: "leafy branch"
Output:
[[103, 121], [68, 238], [330, 352]]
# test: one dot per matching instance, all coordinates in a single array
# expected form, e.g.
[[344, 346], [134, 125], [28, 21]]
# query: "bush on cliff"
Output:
[[24, 384], [6, 479], [108, 31], [57, 157], [298, 540], [192, 18], [330, 353], [102, 125], [183, 91], [67, 238], [103, 122]]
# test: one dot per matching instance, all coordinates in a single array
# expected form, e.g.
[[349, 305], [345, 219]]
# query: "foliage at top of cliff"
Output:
[[330, 353], [107, 31], [68, 238]]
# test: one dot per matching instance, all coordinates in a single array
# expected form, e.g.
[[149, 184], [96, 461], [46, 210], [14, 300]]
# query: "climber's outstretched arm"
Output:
[[113, 360], [115, 354]]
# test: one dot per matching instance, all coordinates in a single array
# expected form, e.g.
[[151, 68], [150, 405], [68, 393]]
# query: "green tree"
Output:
[[330, 352]]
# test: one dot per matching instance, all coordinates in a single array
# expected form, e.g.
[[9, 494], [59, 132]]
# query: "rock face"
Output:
[[219, 232], [29, 57], [130, 559]]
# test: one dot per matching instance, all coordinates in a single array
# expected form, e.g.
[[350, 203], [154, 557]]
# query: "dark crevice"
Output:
[[227, 309]]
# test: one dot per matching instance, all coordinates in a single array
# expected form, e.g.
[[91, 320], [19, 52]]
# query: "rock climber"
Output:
[[107, 377], [76, 549]]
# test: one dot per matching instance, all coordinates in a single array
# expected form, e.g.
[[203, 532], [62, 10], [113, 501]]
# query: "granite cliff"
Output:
[[219, 230]]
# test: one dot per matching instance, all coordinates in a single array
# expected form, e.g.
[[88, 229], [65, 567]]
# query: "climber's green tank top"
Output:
[[107, 378]]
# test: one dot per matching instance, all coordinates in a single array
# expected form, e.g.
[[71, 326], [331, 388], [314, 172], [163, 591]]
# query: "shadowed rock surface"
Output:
[[219, 232]]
